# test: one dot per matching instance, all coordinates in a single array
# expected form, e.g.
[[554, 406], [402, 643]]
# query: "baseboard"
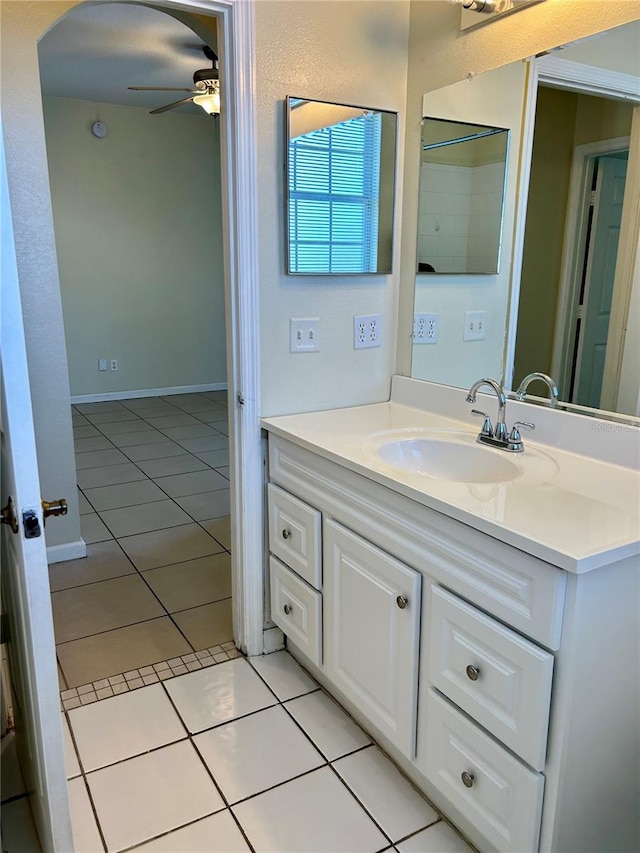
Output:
[[68, 551], [273, 640], [148, 392]]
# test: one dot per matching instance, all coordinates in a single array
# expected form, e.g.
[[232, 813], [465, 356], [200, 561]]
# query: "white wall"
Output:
[[138, 230], [349, 53], [440, 54]]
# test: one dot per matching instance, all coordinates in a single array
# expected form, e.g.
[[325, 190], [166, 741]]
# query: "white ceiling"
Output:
[[98, 50]]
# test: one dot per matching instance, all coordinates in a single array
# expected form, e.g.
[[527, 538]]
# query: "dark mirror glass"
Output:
[[339, 188], [462, 182]]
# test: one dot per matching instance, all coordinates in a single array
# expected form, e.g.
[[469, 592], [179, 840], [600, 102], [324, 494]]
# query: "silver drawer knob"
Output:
[[402, 601], [467, 779], [473, 672], [287, 609], [286, 533]]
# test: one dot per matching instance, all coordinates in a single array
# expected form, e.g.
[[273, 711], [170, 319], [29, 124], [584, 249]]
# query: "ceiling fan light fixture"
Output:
[[210, 100]]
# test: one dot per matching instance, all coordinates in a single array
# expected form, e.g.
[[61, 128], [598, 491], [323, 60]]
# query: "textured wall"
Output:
[[139, 238], [350, 53]]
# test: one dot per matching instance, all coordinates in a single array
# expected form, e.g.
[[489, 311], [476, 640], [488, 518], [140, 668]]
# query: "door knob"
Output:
[[402, 601], [58, 507]]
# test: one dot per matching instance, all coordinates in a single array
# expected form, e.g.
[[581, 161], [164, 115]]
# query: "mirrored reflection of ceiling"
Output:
[[97, 50]]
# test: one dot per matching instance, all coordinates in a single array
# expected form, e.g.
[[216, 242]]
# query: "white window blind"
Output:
[[334, 187]]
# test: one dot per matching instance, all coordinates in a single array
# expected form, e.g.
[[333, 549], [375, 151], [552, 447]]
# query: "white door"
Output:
[[371, 605], [25, 581], [595, 307]]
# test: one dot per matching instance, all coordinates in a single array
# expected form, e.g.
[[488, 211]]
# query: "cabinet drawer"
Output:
[[495, 792], [294, 535], [297, 610], [500, 679]]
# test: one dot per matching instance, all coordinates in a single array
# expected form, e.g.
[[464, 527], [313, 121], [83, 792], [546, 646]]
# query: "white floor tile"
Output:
[[152, 794], [437, 839], [314, 813], [329, 727], [385, 793], [284, 675], [218, 694], [216, 834], [257, 752], [70, 757], [124, 726], [86, 838]]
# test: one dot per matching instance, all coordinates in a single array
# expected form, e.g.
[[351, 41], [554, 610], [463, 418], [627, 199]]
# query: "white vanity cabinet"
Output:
[[371, 632], [505, 687]]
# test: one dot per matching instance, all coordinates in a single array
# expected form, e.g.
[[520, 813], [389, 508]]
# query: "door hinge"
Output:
[[579, 312], [592, 198], [240, 399]]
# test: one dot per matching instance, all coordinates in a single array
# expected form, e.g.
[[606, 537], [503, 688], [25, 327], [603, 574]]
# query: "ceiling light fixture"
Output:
[[210, 100]]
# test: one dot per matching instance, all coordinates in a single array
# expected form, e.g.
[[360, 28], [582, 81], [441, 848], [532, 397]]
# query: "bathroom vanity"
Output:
[[480, 623]]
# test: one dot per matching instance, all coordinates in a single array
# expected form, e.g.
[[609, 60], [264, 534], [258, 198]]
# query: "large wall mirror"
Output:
[[462, 171], [339, 187], [567, 299]]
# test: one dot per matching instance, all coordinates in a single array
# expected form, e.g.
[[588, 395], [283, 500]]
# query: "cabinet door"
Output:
[[371, 630]]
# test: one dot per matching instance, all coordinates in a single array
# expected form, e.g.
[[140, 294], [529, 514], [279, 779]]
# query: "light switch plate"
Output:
[[475, 325], [304, 334]]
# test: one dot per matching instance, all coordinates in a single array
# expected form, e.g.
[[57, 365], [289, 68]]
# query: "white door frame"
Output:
[[239, 191], [573, 251], [575, 77]]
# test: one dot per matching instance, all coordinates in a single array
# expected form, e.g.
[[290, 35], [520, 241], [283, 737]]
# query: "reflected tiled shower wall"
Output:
[[460, 215], [153, 481]]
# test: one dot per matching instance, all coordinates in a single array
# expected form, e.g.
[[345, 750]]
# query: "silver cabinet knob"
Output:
[[473, 672], [402, 601], [467, 779], [287, 609], [286, 533]]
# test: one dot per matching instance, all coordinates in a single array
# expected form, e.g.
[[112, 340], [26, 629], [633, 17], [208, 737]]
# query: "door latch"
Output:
[[31, 524]]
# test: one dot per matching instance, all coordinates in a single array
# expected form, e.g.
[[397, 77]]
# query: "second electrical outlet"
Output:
[[366, 331]]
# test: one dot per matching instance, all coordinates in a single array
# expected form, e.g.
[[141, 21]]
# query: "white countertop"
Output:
[[576, 512]]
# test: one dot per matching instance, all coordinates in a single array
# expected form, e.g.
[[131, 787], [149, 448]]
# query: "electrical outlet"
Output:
[[102, 364], [367, 330], [304, 334], [113, 364], [475, 325], [426, 328]]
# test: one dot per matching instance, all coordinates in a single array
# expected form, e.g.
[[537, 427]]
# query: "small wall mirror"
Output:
[[340, 187], [462, 185]]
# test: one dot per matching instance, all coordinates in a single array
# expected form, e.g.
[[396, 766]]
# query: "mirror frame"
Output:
[[287, 175]]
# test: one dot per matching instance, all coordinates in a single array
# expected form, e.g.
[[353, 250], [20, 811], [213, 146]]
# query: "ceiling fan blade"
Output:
[[161, 89], [171, 106]]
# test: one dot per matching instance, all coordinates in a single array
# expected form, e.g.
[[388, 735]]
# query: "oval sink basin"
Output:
[[445, 459]]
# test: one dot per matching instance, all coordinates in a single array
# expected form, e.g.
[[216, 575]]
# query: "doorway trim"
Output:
[[573, 249], [575, 77], [239, 202]]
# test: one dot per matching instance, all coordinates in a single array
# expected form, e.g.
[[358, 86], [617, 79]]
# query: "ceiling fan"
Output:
[[206, 93]]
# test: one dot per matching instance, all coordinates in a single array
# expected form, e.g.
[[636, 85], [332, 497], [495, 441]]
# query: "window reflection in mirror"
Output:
[[462, 180], [339, 188]]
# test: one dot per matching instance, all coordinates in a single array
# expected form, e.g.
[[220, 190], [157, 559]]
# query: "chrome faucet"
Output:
[[531, 377], [500, 436]]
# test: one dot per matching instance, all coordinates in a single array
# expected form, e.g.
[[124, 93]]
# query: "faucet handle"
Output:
[[487, 428], [514, 435]]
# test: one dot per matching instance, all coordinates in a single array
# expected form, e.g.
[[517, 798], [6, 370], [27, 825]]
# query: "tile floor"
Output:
[[243, 756], [153, 481]]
